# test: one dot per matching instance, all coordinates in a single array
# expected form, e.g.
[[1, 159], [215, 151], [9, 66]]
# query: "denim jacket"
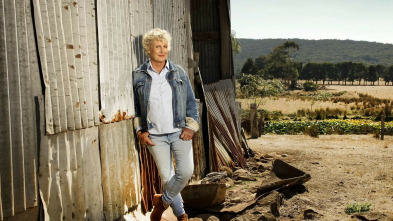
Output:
[[185, 111]]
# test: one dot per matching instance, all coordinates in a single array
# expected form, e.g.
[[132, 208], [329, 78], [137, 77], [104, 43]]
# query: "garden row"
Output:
[[334, 126]]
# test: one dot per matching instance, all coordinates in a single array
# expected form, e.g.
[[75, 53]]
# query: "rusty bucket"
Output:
[[199, 196]]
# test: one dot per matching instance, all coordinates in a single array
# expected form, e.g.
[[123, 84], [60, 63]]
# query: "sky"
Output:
[[360, 20]]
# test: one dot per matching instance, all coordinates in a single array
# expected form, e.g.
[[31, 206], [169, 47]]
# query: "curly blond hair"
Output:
[[155, 34]]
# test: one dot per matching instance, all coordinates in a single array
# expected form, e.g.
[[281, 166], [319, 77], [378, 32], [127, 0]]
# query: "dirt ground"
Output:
[[344, 169]]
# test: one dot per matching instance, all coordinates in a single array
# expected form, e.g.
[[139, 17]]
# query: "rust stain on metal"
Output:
[[150, 179], [119, 116], [75, 3], [78, 56], [68, 46], [66, 7]]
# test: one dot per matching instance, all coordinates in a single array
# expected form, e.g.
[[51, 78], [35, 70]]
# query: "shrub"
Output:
[[312, 131], [357, 208], [310, 86]]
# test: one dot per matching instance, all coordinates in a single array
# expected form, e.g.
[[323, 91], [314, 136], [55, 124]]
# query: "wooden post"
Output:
[[382, 126], [261, 124], [254, 120]]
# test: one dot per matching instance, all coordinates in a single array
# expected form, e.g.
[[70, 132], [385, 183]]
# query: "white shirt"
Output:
[[160, 112]]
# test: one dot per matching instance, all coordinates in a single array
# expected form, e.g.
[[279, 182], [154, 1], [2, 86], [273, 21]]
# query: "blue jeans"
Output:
[[173, 181]]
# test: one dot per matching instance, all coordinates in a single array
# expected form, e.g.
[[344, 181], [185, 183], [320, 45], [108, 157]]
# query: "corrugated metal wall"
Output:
[[120, 169], [67, 45], [211, 37], [117, 60], [205, 20], [18, 84], [64, 65], [70, 176]]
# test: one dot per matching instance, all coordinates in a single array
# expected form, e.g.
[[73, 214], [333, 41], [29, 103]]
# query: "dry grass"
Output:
[[290, 106]]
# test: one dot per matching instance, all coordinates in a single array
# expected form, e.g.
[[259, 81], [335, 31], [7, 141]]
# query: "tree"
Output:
[[281, 65], [235, 43], [388, 75], [380, 69], [372, 74], [358, 71], [344, 68], [308, 71], [261, 61], [247, 66], [254, 86]]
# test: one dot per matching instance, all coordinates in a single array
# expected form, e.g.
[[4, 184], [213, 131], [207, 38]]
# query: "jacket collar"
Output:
[[172, 66]]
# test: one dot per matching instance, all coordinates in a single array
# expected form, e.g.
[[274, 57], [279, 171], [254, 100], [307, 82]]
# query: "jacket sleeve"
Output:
[[191, 105]]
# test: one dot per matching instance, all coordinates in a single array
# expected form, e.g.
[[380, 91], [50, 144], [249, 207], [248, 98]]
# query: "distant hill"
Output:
[[333, 51]]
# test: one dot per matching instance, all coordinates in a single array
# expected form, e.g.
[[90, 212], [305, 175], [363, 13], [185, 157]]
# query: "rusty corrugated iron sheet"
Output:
[[117, 60], [150, 178], [18, 134], [120, 169], [70, 176], [67, 46], [224, 124]]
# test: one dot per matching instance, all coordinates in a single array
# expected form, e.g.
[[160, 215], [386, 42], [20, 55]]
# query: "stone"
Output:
[[310, 214], [213, 218], [244, 175]]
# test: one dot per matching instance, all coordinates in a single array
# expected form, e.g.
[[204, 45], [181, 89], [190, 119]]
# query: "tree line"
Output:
[[328, 50], [279, 64]]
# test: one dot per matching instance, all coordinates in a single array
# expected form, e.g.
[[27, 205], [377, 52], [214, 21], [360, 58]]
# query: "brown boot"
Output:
[[158, 209], [183, 217]]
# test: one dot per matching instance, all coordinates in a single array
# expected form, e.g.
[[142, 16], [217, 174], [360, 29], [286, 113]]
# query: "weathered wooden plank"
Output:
[[6, 196]]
